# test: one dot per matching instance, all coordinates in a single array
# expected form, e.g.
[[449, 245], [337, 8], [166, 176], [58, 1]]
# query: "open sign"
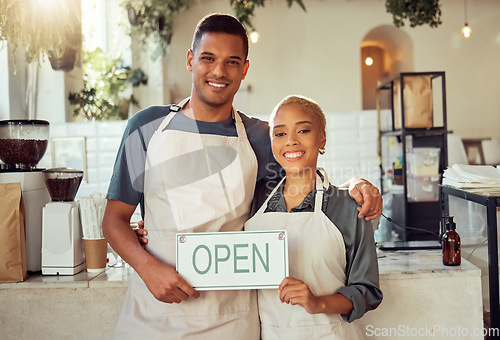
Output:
[[233, 260]]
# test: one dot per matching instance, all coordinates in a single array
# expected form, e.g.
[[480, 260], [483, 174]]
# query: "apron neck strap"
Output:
[[240, 128], [264, 205], [322, 185]]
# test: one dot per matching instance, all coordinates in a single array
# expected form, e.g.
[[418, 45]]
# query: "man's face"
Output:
[[218, 65]]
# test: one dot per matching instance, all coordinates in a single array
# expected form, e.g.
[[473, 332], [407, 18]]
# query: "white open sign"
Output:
[[233, 260]]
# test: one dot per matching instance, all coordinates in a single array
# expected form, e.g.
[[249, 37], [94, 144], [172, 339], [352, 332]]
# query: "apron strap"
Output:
[[240, 128], [173, 110], [322, 185], [264, 205]]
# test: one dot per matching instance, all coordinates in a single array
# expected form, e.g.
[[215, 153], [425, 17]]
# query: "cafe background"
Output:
[[319, 53]]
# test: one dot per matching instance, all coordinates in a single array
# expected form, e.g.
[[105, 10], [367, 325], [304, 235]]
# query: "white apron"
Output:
[[316, 253], [193, 183]]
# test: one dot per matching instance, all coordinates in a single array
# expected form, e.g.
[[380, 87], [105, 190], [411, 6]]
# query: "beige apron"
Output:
[[193, 183], [316, 253]]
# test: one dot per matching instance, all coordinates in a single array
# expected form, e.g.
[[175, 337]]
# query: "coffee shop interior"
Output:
[[412, 108]]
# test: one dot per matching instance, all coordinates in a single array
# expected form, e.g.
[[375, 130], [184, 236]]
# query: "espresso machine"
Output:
[[23, 143], [62, 244]]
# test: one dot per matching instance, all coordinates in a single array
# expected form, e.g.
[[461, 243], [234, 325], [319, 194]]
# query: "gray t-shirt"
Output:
[[127, 181], [362, 285]]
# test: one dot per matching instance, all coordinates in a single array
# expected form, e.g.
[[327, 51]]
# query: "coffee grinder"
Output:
[[23, 143], [62, 244]]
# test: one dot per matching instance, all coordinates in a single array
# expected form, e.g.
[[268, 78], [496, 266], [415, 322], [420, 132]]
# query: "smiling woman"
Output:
[[332, 256]]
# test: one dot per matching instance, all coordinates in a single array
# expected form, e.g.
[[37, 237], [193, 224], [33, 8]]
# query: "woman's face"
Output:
[[296, 137]]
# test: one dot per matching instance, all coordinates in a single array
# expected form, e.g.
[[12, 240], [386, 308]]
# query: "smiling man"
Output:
[[193, 167]]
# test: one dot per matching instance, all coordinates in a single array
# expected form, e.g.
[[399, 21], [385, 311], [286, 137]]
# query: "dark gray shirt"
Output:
[[362, 286]]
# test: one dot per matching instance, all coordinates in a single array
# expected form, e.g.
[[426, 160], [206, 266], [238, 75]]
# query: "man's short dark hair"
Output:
[[220, 23]]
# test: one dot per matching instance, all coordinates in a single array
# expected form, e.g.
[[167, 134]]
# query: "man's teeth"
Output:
[[293, 154], [217, 85]]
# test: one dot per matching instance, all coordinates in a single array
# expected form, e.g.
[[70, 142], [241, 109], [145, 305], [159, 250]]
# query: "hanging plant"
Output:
[[153, 20], [417, 12], [105, 83], [41, 27], [244, 9]]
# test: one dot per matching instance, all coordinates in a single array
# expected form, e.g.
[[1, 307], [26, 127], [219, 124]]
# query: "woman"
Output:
[[333, 265]]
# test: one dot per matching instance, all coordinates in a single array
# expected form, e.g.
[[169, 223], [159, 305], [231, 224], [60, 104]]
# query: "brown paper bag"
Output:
[[12, 234], [418, 102]]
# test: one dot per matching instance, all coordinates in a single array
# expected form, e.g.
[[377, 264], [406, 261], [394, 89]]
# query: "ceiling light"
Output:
[[254, 37], [466, 30]]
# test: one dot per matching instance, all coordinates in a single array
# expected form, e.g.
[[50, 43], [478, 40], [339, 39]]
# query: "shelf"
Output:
[[388, 85], [423, 215], [434, 131]]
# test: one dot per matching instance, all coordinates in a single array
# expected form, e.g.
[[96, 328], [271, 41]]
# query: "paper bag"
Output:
[[418, 102], [12, 234]]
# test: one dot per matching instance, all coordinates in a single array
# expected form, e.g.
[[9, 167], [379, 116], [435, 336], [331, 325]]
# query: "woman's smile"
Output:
[[293, 156]]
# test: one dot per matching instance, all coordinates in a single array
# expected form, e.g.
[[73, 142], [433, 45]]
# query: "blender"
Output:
[[23, 143], [62, 244]]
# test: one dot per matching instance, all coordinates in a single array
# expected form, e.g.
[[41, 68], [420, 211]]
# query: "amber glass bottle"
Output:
[[451, 244]]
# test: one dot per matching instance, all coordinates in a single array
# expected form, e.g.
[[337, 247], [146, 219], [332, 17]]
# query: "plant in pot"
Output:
[[106, 81], [244, 9], [417, 12], [44, 28], [153, 20]]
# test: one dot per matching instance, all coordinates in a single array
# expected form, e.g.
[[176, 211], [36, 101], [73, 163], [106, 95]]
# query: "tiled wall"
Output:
[[102, 142], [351, 147]]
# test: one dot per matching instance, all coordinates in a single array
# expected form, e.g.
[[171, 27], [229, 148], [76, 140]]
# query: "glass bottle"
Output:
[[451, 244]]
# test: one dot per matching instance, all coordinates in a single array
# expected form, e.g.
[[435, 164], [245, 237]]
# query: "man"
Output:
[[193, 168]]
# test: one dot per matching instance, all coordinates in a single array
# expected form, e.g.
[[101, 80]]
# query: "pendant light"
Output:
[[254, 37], [466, 30]]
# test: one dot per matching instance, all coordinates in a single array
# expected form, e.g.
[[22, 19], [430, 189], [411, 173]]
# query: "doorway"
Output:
[[386, 51]]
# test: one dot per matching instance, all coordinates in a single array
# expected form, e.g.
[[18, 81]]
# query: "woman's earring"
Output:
[[322, 150]]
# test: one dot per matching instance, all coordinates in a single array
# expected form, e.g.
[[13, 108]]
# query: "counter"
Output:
[[420, 295]]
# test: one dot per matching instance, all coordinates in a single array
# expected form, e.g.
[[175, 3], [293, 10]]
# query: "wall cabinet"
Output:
[[416, 133]]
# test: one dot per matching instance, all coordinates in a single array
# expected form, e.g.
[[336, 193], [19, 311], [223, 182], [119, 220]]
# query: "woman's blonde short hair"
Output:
[[308, 105]]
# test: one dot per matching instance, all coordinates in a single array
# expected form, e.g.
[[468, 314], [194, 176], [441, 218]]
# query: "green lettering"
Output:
[[202, 272], [217, 258], [255, 250], [236, 258]]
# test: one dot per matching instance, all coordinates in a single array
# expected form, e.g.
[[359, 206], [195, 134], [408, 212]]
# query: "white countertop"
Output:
[[392, 265], [419, 263]]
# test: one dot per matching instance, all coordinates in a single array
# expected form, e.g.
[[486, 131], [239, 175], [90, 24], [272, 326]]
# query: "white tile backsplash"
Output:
[[352, 146], [102, 142]]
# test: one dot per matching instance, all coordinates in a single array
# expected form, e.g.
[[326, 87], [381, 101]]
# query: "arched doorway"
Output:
[[385, 52]]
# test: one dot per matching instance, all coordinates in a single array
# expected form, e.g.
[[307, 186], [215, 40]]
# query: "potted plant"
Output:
[[43, 28], [106, 81], [417, 12], [244, 9], [153, 20]]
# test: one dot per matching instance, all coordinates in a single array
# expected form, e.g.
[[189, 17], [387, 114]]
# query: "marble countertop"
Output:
[[392, 265], [419, 263], [115, 275]]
